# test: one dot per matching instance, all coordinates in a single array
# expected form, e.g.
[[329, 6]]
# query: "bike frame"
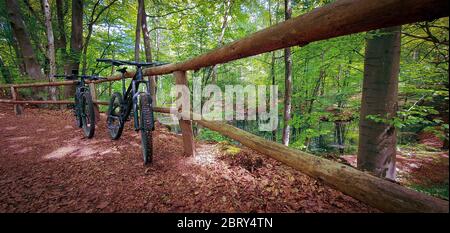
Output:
[[130, 96], [80, 89]]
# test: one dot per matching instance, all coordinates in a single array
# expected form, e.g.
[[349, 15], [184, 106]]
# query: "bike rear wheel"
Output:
[[87, 115], [146, 126], [115, 111]]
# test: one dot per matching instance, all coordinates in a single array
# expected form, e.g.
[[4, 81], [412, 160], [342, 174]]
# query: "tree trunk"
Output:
[[273, 103], [148, 51], [32, 66], [85, 48], [19, 56], [288, 80], [221, 36], [377, 141], [76, 42], [91, 22], [137, 40], [51, 46], [61, 42], [272, 65]]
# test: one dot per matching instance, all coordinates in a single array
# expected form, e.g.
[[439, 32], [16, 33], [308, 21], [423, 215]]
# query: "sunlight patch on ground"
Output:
[[205, 156], [61, 152], [24, 150], [207, 159], [40, 130], [15, 146], [17, 138], [11, 128], [81, 149]]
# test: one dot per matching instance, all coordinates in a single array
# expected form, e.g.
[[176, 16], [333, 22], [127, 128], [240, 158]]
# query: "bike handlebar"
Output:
[[132, 63], [73, 77]]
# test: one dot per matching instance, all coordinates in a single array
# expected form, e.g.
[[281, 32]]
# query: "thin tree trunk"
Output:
[[273, 102], [92, 21], [272, 65], [85, 47], [213, 70], [51, 46], [76, 42], [148, 51], [288, 80], [137, 41], [377, 141], [61, 42], [32, 66]]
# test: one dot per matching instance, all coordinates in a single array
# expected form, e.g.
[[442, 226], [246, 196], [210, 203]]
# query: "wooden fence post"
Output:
[[94, 100], [17, 107], [185, 125]]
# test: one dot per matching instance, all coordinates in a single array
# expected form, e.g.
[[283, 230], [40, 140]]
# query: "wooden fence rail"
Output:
[[343, 17]]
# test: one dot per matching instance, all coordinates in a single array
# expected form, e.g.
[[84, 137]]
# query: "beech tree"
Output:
[[377, 138], [50, 45], [32, 66]]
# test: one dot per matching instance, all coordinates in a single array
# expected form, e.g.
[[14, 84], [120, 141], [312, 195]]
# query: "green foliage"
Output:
[[440, 191], [209, 135]]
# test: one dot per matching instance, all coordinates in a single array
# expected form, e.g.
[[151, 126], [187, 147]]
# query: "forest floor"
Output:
[[46, 165], [423, 166]]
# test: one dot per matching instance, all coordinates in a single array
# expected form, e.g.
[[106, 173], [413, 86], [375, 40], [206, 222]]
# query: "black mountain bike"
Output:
[[84, 106], [133, 100]]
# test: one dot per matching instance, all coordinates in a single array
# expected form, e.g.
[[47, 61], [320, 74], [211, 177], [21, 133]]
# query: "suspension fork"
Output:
[[134, 94], [134, 87]]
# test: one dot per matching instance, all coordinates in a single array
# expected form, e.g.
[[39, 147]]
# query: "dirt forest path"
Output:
[[46, 165]]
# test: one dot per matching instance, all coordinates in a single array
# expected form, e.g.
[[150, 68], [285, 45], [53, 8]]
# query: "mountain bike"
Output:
[[133, 100], [84, 106]]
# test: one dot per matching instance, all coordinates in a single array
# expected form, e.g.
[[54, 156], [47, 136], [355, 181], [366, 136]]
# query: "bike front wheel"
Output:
[[146, 126], [87, 115], [115, 111]]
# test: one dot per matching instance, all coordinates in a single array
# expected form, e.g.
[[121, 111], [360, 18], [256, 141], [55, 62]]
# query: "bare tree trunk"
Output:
[[51, 46], [61, 42], [377, 141], [273, 102], [227, 12], [93, 18], [137, 41], [288, 80], [85, 47], [148, 51], [32, 66], [76, 42]]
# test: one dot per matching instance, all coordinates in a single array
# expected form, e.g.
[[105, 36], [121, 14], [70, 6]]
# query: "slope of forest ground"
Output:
[[423, 167], [46, 165]]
